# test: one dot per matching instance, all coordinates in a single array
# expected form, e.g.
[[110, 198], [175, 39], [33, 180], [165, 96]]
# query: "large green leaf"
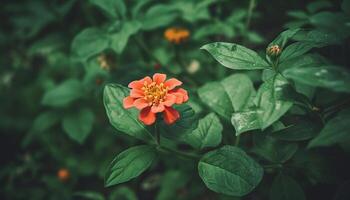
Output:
[[187, 122], [233, 93], [78, 125], [296, 49], [271, 100], [207, 134], [336, 130], [113, 8], [230, 171], [270, 104], [326, 76], [130, 164], [272, 149], [125, 120], [64, 93], [286, 188], [235, 56]]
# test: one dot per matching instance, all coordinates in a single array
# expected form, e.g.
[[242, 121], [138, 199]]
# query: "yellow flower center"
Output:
[[154, 93]]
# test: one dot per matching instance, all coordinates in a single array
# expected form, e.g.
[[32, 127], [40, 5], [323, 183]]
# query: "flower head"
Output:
[[176, 35], [273, 50], [157, 95], [63, 174]]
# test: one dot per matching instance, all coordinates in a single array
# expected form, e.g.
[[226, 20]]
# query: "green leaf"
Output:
[[90, 42], [245, 121], [124, 193], [296, 49], [44, 121], [302, 128], [230, 171], [64, 93], [297, 14], [282, 39], [113, 8], [235, 56], [335, 130], [125, 120], [286, 188], [193, 11], [158, 16], [93, 41], [272, 149], [270, 104], [207, 134], [172, 181], [120, 38], [318, 5], [78, 125], [130, 164], [187, 123], [232, 93], [326, 76]]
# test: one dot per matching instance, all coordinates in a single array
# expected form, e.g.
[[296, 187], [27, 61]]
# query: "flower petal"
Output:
[[159, 78], [136, 84], [146, 116], [170, 115], [157, 108], [135, 93], [172, 83], [181, 95], [128, 102], [170, 99], [147, 79], [141, 103]]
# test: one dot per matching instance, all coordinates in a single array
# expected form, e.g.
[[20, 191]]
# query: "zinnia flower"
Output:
[[63, 174], [176, 35], [157, 95]]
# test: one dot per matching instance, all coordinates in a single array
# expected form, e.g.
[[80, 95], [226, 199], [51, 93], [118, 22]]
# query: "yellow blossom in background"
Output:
[[104, 62], [176, 35]]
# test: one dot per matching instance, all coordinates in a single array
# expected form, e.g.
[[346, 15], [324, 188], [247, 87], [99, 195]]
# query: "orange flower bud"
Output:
[[63, 174], [273, 50], [176, 35]]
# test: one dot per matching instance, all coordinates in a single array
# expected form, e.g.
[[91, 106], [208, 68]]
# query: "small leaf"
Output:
[[125, 120], [130, 164], [286, 188], [335, 131], [207, 134], [120, 39], [235, 56], [282, 39], [124, 193], [63, 94], [158, 16], [90, 42], [230, 171], [78, 125]]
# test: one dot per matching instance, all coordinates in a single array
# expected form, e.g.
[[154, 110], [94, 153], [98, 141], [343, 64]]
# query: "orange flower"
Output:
[[63, 174], [176, 35], [156, 96]]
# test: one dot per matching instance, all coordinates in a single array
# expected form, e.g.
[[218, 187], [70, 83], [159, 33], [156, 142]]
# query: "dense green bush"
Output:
[[262, 113]]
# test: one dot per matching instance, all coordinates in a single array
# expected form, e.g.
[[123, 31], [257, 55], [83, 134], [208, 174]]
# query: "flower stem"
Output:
[[156, 130]]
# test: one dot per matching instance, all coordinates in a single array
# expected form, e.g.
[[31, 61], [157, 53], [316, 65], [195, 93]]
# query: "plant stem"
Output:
[[237, 140], [157, 133], [179, 153], [251, 7]]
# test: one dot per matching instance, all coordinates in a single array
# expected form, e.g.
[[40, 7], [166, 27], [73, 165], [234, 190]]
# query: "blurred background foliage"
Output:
[[56, 56]]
